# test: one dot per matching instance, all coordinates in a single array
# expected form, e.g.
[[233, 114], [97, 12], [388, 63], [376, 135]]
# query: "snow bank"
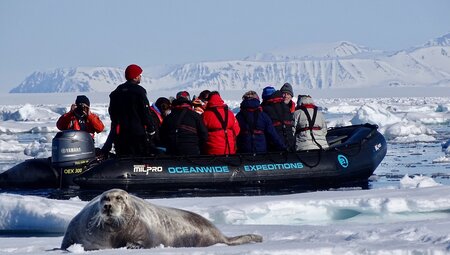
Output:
[[39, 149], [442, 159], [446, 158], [429, 117], [384, 221], [35, 213], [7, 137], [5, 130], [31, 113], [41, 214], [44, 129], [342, 108], [441, 108], [43, 113], [417, 182], [375, 114], [394, 128], [337, 123], [10, 146], [409, 132]]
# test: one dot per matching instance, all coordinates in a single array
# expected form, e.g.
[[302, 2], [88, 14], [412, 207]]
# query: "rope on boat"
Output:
[[312, 165]]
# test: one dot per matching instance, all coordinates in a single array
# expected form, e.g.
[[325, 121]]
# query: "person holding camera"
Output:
[[80, 118]]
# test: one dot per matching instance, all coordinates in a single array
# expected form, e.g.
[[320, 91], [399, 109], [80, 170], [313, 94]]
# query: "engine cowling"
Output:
[[72, 151]]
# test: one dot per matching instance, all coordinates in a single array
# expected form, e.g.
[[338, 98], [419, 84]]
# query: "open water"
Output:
[[414, 159]]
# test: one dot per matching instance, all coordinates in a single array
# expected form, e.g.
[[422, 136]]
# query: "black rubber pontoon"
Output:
[[354, 154]]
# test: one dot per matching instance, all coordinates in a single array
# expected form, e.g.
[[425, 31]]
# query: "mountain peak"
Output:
[[340, 49], [346, 49], [439, 41]]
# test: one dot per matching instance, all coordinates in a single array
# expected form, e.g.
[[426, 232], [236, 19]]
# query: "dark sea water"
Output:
[[414, 159]]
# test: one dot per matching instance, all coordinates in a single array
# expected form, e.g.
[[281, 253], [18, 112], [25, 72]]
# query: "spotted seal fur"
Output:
[[117, 219]]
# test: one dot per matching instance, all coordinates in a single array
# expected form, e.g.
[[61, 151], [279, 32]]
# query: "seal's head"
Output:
[[114, 207]]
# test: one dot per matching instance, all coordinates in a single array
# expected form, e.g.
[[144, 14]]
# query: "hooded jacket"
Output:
[[282, 119], [69, 121], [307, 137], [182, 131], [222, 131], [256, 126]]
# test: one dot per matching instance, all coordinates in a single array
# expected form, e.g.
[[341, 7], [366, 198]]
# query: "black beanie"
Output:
[[82, 100], [162, 103], [287, 88]]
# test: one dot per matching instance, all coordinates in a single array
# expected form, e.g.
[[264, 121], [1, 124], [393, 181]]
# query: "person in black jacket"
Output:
[[282, 119], [183, 131], [256, 127], [131, 122], [159, 110]]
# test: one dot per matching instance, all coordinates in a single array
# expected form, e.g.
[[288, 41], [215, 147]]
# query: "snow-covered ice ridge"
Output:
[[398, 220], [390, 204], [321, 66]]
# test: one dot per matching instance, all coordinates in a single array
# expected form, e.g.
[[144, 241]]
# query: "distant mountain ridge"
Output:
[[80, 79], [440, 41], [317, 51], [320, 66]]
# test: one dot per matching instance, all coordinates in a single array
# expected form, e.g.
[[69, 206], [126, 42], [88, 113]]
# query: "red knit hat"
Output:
[[132, 72]]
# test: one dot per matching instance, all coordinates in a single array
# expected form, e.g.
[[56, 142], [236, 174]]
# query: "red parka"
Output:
[[222, 132], [69, 121]]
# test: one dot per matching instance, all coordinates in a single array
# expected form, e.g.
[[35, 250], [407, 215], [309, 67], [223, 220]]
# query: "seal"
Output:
[[117, 219]]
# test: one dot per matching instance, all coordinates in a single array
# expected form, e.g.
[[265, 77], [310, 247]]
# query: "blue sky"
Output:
[[46, 34]]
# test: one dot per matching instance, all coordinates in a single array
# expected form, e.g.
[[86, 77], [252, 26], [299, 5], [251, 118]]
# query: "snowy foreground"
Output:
[[411, 219], [407, 217]]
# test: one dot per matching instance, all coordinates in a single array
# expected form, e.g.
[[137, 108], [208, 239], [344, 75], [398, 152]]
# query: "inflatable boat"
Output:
[[354, 154]]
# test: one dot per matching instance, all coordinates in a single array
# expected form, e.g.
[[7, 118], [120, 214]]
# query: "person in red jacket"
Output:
[[80, 118], [222, 126]]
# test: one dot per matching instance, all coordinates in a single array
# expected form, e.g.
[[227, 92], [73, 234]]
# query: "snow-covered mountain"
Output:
[[341, 49], [440, 41], [81, 79], [321, 66]]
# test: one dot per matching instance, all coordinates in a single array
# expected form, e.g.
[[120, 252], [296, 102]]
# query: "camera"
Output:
[[79, 110]]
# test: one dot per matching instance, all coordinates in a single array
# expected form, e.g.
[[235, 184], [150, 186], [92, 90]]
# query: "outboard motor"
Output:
[[72, 151]]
